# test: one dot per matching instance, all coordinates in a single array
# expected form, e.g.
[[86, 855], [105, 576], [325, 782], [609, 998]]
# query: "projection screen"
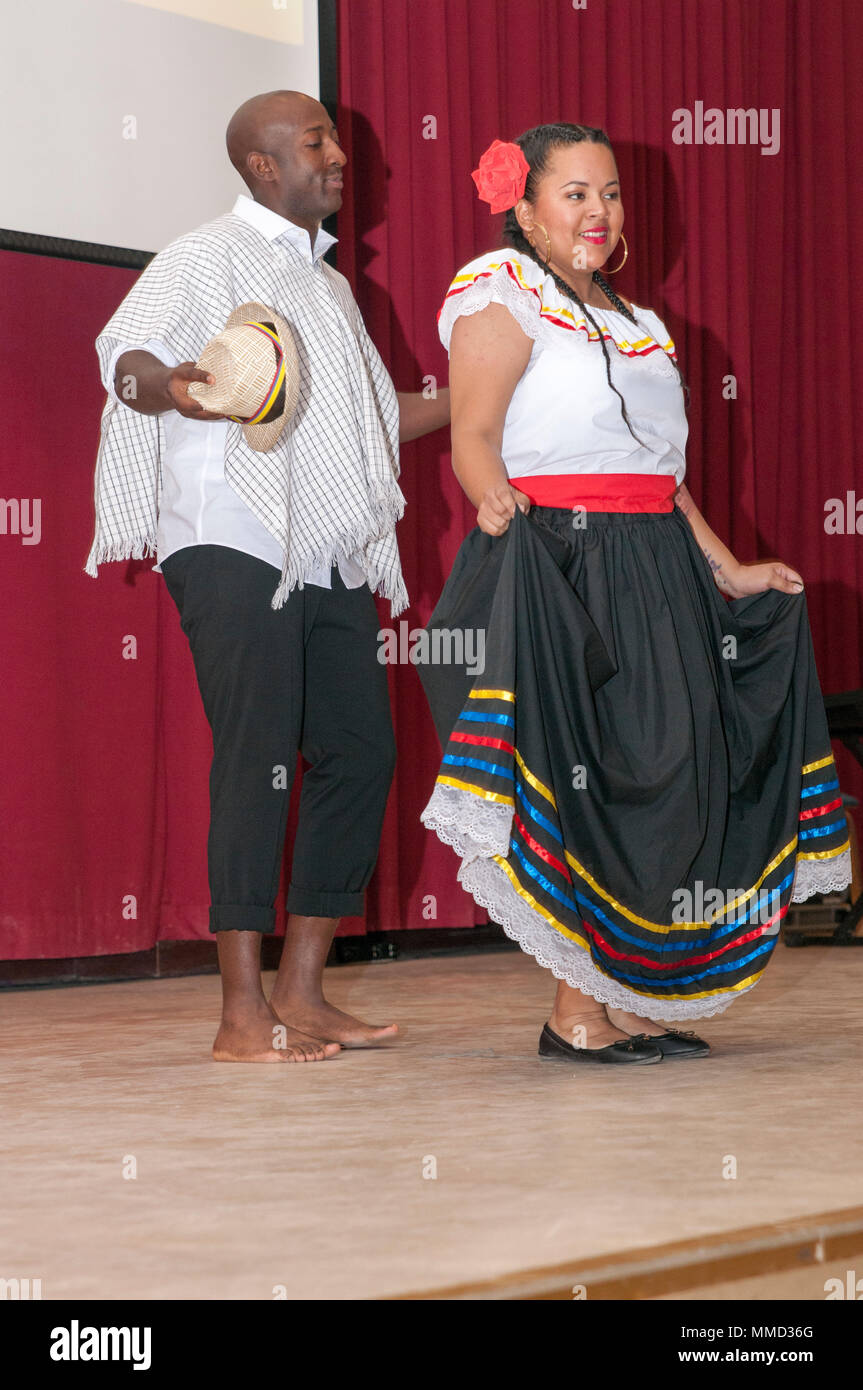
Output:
[[115, 110]]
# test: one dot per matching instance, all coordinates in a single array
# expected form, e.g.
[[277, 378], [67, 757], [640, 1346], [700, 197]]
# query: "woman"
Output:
[[640, 781]]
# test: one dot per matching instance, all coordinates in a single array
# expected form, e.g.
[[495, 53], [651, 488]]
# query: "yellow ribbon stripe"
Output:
[[573, 936], [661, 928], [822, 762]]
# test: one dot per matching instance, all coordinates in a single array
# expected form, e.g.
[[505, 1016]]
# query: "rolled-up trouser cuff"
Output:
[[308, 902], [240, 917]]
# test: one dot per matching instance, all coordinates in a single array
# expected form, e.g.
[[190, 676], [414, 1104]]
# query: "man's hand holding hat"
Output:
[[254, 374], [179, 380], [249, 373], [145, 384]]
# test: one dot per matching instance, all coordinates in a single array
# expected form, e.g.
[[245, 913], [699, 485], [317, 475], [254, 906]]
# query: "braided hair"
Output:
[[536, 145]]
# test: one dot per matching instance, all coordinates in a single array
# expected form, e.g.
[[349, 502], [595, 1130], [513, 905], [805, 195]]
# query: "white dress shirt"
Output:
[[197, 504]]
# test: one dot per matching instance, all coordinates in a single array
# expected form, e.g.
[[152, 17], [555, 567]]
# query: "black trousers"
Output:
[[305, 676]]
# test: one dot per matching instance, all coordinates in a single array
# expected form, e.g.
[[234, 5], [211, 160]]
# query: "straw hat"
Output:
[[257, 374]]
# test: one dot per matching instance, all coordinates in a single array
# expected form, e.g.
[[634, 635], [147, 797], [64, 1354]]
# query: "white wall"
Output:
[[78, 78]]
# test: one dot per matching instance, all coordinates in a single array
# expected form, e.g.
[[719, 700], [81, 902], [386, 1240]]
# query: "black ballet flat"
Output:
[[638, 1048], [676, 1044]]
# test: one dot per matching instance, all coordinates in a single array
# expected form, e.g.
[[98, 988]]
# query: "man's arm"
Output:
[[419, 414], [145, 384], [732, 577]]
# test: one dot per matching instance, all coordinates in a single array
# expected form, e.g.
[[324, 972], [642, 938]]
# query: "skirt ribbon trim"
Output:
[[502, 820]]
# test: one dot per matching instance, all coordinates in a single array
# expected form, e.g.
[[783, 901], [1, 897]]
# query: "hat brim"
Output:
[[264, 437]]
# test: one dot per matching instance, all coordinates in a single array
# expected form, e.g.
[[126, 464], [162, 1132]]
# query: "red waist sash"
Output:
[[601, 492]]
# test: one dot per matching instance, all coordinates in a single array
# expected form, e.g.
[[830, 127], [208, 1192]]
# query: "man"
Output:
[[313, 520]]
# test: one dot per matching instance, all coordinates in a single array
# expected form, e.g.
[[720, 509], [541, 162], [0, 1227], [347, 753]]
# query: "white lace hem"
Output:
[[472, 826], [821, 876], [478, 830], [491, 889]]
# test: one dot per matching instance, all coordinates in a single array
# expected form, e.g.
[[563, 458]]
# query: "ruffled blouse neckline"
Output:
[[594, 308], [601, 309]]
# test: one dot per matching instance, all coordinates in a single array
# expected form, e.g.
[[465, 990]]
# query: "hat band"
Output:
[[273, 403]]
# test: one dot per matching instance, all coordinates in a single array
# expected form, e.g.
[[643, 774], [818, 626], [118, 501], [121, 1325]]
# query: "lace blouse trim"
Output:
[[503, 282]]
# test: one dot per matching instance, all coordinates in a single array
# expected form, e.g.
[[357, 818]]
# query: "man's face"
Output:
[[309, 161]]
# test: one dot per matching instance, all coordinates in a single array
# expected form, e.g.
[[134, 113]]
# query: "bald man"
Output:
[[277, 671]]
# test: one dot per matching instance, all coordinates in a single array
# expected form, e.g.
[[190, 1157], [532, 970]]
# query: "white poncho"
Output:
[[330, 485]]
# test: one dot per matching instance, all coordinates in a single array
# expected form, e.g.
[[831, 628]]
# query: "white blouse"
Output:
[[564, 416]]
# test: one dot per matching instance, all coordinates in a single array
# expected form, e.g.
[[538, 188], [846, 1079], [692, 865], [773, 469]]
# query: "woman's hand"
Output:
[[497, 508], [768, 574], [729, 575]]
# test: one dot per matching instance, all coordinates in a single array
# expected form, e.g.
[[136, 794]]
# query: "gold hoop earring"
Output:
[[547, 242], [605, 269]]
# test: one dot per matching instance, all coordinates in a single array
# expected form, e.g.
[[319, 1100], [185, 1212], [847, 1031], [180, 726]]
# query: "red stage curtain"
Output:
[[746, 256]]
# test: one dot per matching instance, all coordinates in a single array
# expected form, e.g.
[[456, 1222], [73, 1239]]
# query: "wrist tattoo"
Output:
[[722, 581]]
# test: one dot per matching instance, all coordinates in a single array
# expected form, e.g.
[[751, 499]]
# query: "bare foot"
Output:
[[589, 1028], [261, 1036], [323, 1020], [633, 1023]]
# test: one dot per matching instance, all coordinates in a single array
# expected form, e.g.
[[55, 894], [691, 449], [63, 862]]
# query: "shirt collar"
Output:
[[275, 227]]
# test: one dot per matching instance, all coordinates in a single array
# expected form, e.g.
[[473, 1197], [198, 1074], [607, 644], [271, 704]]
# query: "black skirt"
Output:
[[637, 774]]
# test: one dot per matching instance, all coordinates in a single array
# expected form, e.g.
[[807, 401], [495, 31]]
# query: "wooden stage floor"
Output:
[[314, 1178]]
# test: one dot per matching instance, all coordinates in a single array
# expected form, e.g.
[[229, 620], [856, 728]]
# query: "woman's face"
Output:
[[578, 194]]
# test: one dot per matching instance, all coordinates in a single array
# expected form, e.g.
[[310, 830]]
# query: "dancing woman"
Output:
[[641, 781]]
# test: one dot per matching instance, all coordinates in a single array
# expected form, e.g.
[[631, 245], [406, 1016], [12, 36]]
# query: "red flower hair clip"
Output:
[[502, 175]]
